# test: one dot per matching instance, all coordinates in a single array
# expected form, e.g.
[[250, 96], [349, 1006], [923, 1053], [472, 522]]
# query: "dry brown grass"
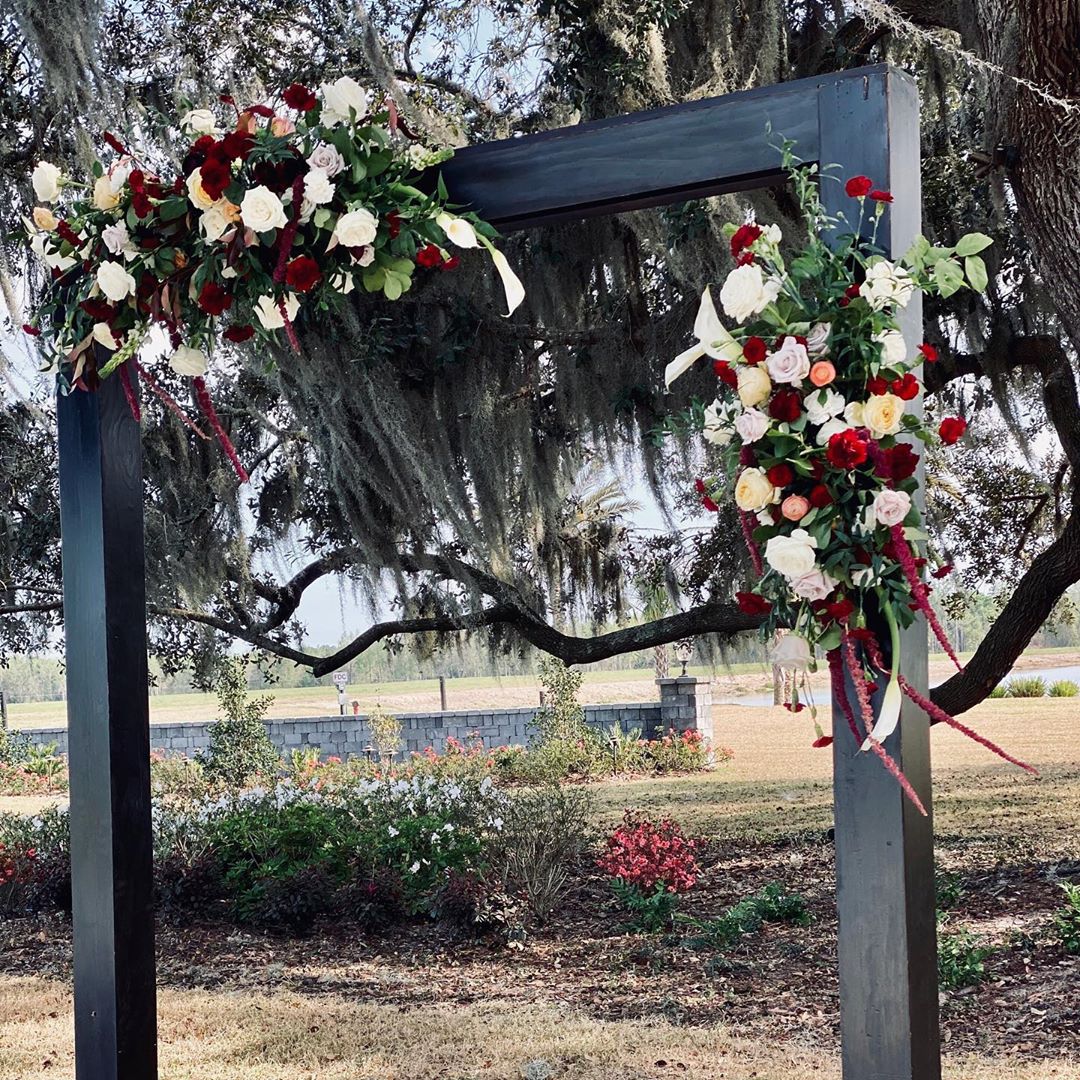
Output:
[[246, 1036]]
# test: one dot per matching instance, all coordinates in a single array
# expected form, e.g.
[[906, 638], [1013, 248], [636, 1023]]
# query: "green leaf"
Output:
[[392, 286], [373, 278], [976, 272], [948, 276], [173, 208], [916, 254], [830, 639], [972, 243]]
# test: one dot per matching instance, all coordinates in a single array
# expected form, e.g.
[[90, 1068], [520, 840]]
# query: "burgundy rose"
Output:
[[214, 298], [754, 350], [785, 406], [239, 333], [303, 273], [430, 256], [952, 427], [300, 98], [846, 450]]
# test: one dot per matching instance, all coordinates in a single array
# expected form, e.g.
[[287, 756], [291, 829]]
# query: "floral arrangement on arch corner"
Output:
[[815, 416], [278, 210]]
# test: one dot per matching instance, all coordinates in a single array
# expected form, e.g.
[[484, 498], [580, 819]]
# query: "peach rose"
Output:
[[822, 373], [795, 507]]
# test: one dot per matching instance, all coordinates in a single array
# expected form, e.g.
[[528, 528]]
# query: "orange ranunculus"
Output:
[[822, 373]]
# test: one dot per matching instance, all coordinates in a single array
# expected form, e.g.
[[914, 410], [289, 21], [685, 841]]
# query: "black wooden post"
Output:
[[101, 521], [884, 847]]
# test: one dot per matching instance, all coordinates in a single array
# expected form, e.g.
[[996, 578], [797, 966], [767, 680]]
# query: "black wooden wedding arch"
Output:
[[866, 122]]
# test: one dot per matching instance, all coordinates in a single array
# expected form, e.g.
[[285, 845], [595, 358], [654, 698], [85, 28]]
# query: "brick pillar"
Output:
[[686, 705]]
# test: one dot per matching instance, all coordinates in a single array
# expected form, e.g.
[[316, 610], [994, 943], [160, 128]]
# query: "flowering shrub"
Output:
[[34, 862], [685, 751], [278, 212], [814, 416], [29, 769]]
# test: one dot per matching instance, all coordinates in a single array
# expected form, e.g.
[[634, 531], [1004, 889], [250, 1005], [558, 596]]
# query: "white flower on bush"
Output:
[[830, 428], [188, 361], [751, 424], [341, 96], [824, 405], [792, 651], [415, 868], [817, 340], [893, 348], [327, 158], [317, 187], [816, 585], [198, 122], [46, 180], [356, 228], [790, 363], [747, 292], [269, 313], [115, 282], [718, 423], [886, 284], [891, 507], [794, 555], [261, 210]]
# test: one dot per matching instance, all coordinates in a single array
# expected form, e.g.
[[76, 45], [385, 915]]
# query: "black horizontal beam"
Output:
[[645, 159]]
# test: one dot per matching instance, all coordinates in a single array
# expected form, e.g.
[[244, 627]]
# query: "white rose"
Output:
[[815, 585], [213, 224], [327, 158], [103, 335], [867, 521], [793, 556], [339, 97], [893, 348], [116, 283], [751, 424], [886, 284], [261, 210], [823, 405], [891, 507], [116, 238], [792, 651], [746, 292], [883, 414], [198, 122], [718, 421], [196, 193], [317, 187], [343, 283], [458, 230], [105, 198], [790, 363], [817, 340], [853, 414], [754, 385], [754, 490], [829, 429], [46, 181], [356, 228], [269, 314], [188, 361]]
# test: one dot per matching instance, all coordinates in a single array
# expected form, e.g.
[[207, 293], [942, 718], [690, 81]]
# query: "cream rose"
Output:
[[794, 555], [195, 191], [341, 96], [198, 122], [893, 348], [458, 230], [747, 292], [883, 414], [790, 363], [269, 314], [886, 284], [751, 424], [116, 283], [356, 228], [213, 224], [105, 198], [815, 585], [754, 385], [188, 361], [327, 158], [792, 651], [853, 413], [317, 187], [44, 218], [891, 507], [754, 491], [823, 406], [46, 181], [261, 210]]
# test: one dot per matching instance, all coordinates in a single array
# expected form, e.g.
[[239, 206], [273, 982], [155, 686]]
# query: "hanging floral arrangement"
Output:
[[816, 416], [275, 211]]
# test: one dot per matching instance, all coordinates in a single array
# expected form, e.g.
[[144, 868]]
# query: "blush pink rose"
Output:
[[795, 508]]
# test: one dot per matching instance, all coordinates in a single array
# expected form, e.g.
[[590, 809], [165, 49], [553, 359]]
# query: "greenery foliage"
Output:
[[1067, 919], [1026, 686], [772, 904], [961, 959], [1063, 688], [240, 746]]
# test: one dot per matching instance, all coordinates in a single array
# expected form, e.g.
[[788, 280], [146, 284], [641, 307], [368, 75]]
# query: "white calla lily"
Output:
[[889, 715], [458, 230], [515, 291], [713, 340]]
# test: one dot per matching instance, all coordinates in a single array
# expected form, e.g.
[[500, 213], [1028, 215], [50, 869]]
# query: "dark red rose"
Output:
[[785, 406], [859, 187], [725, 373], [822, 741], [261, 110], [215, 176], [952, 427], [877, 385], [299, 97], [429, 255], [393, 223], [215, 298], [710, 505], [239, 333], [754, 350], [202, 145], [33, 331], [98, 310], [881, 196], [820, 496], [451, 264], [149, 242], [779, 342], [751, 603], [66, 232], [929, 353], [303, 273], [780, 475], [743, 237], [900, 462], [136, 180], [839, 609], [846, 450], [237, 144], [906, 388]]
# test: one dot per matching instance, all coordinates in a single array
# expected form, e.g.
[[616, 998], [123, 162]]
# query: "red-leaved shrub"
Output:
[[644, 854]]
